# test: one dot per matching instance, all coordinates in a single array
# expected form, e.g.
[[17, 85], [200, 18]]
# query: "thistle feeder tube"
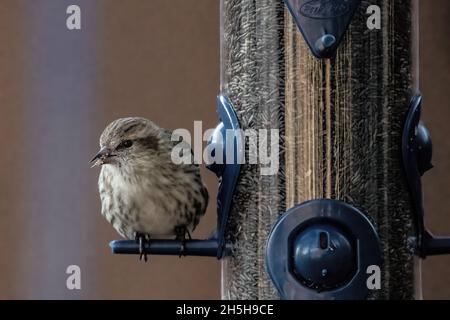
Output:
[[342, 114]]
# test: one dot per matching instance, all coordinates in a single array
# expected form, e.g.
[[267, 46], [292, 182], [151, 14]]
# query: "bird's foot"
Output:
[[142, 239], [183, 248], [181, 232]]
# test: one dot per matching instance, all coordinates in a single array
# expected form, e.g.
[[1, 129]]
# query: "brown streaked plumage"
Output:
[[143, 192]]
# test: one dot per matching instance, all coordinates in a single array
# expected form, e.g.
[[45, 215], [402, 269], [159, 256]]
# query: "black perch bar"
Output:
[[199, 248], [436, 246]]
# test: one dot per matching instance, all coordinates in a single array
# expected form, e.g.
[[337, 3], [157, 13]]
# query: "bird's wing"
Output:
[[193, 168], [177, 141]]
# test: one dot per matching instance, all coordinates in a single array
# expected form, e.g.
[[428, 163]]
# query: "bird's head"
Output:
[[127, 141]]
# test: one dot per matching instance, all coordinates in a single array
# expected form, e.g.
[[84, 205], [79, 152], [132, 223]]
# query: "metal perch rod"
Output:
[[434, 246], [199, 248]]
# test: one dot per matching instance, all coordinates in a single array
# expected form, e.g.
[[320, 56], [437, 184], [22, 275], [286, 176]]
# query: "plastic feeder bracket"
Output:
[[323, 23]]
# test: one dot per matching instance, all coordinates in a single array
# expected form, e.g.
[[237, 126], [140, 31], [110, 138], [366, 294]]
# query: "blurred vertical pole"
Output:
[[12, 56], [59, 113], [343, 121]]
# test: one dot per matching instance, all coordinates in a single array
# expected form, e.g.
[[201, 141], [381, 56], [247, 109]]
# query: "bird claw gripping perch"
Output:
[[227, 137]]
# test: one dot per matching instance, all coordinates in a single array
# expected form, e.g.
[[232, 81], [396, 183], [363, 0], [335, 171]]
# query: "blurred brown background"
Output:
[[153, 58]]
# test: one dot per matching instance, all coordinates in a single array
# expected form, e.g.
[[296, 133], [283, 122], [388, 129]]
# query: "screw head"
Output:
[[325, 43]]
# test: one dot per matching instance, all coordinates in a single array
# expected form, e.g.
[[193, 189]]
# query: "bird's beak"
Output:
[[101, 157]]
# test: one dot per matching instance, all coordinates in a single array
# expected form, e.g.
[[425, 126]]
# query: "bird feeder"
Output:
[[346, 201]]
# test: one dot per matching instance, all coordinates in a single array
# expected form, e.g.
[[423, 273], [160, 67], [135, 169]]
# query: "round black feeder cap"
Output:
[[321, 250]]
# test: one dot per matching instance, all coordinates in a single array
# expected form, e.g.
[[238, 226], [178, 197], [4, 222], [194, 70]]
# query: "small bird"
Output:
[[143, 193]]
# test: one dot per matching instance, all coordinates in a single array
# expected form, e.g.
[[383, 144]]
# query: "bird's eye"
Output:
[[125, 144]]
